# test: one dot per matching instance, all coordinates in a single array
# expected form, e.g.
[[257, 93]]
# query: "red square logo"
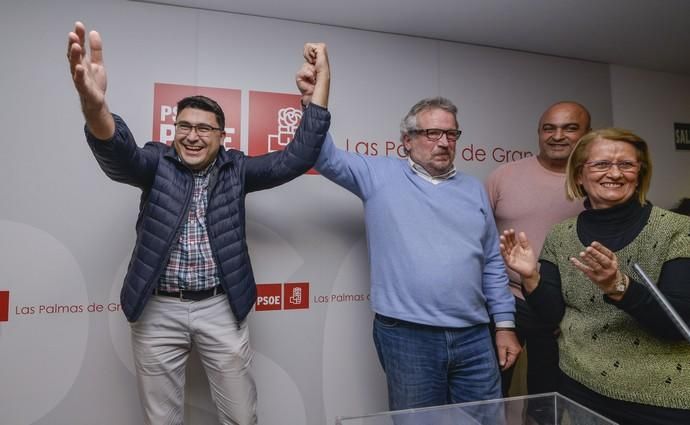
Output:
[[273, 121], [4, 306], [296, 295], [166, 96], [269, 296]]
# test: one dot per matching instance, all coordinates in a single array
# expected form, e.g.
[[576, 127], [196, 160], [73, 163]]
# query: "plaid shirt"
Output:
[[191, 266]]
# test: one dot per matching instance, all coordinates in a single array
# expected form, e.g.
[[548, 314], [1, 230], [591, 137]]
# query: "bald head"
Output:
[[573, 107], [560, 127]]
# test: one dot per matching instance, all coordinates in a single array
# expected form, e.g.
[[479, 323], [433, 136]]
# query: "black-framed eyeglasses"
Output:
[[435, 134], [203, 130], [605, 165]]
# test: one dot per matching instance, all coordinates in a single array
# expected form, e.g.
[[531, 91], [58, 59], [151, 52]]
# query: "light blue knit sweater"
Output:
[[433, 249]]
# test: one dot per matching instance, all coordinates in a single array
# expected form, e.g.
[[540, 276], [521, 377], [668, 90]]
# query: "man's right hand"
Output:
[[89, 78]]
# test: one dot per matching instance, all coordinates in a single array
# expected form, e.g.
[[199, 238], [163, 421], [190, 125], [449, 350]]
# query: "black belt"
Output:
[[191, 295]]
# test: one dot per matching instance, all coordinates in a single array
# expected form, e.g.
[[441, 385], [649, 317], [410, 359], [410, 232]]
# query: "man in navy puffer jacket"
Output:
[[190, 281]]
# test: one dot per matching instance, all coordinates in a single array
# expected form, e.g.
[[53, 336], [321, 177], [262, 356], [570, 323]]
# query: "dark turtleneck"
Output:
[[613, 227]]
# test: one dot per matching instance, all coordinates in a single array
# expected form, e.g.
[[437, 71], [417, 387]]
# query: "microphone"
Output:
[[665, 305]]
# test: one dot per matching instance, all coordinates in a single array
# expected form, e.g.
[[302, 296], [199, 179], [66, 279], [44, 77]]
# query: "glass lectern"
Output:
[[542, 409]]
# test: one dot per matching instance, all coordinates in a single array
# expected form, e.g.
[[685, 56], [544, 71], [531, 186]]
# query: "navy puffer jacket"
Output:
[[167, 185]]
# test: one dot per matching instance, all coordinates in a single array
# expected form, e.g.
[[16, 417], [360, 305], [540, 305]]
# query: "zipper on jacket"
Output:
[[176, 235]]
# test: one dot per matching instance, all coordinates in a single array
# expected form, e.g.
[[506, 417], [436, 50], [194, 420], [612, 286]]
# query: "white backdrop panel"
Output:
[[67, 232]]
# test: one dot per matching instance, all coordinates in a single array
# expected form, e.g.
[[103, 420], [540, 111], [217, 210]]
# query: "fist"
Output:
[[317, 55]]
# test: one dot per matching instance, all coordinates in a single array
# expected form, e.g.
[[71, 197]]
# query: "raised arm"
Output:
[[301, 153], [89, 78]]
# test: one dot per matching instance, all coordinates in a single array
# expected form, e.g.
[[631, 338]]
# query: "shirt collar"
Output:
[[199, 173], [421, 172], [205, 171]]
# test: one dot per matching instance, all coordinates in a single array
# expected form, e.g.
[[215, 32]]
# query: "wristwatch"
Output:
[[621, 284]]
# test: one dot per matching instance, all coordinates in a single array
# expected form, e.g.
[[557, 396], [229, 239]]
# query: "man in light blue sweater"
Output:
[[437, 276]]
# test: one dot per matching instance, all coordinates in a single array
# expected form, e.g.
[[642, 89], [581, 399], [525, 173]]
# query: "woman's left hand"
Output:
[[600, 265]]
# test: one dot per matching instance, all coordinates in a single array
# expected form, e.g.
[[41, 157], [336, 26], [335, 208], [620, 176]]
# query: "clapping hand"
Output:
[[600, 265], [520, 257]]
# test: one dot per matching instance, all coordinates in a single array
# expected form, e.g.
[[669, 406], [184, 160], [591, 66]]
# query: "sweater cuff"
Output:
[[504, 317], [634, 295]]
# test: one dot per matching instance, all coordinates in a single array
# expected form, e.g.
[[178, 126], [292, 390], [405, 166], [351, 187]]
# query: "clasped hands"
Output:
[[314, 73]]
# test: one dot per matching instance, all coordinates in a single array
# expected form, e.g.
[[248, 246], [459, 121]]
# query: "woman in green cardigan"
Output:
[[620, 354]]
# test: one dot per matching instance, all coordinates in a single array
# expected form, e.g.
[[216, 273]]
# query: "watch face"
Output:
[[620, 287]]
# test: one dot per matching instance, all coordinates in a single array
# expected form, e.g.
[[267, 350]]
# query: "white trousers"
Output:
[[162, 339]]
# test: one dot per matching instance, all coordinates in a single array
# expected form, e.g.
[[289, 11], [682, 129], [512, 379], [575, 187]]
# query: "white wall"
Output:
[[649, 103], [66, 232]]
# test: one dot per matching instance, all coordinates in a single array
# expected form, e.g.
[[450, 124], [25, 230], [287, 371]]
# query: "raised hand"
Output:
[[314, 77], [520, 257], [306, 79], [89, 78]]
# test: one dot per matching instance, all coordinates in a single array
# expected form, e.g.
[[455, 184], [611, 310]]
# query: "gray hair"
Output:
[[409, 122]]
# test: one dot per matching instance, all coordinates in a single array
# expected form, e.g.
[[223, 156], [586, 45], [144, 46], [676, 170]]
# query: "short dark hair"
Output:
[[205, 104]]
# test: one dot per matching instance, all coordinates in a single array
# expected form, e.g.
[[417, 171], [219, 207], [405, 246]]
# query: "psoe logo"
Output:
[[269, 296], [278, 296], [4, 306], [296, 295], [273, 121]]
